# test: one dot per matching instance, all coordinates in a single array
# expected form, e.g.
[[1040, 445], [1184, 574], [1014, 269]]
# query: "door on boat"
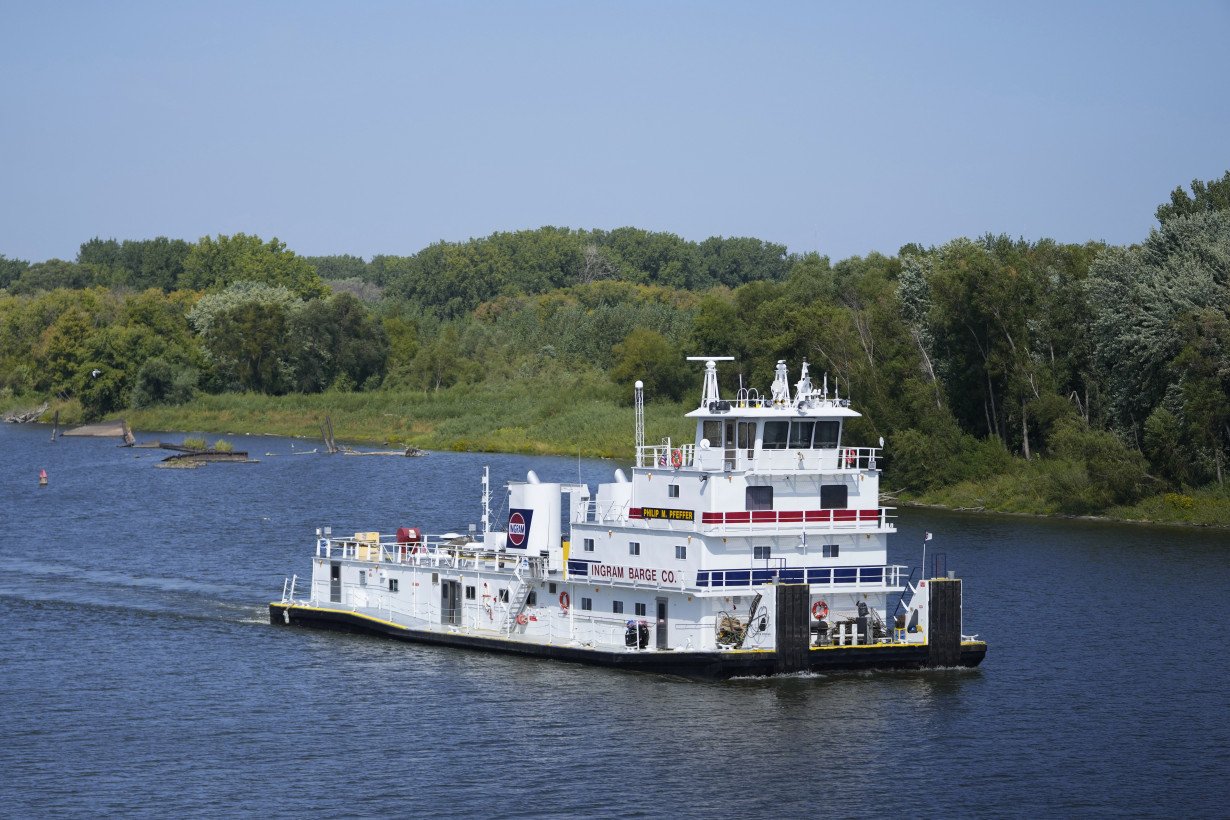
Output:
[[731, 451], [662, 624], [335, 582], [450, 602]]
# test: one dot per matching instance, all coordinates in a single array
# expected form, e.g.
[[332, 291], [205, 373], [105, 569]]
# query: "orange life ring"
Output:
[[676, 458], [564, 600], [521, 619], [819, 610]]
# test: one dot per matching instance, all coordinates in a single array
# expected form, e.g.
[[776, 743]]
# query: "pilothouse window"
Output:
[[800, 434], [776, 435], [827, 434]]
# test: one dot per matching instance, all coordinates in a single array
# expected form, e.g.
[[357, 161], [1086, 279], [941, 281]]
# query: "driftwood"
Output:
[[24, 416]]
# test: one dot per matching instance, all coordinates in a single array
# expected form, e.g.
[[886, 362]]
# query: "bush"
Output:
[[223, 446], [1101, 470], [918, 461], [160, 382], [194, 443]]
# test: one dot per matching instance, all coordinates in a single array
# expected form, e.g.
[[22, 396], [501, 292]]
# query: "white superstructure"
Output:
[[684, 555]]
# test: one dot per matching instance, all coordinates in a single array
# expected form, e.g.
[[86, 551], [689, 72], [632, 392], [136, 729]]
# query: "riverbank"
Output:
[[546, 419], [527, 418], [1019, 492]]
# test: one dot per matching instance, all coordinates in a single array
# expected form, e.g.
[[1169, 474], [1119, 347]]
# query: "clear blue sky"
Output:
[[370, 127]]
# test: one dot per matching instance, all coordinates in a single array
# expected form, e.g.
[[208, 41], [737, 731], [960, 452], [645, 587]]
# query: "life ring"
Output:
[[851, 458], [522, 620], [676, 458], [564, 600], [819, 610]]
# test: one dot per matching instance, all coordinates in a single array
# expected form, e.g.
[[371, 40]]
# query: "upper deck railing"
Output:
[[623, 514], [764, 462], [452, 553]]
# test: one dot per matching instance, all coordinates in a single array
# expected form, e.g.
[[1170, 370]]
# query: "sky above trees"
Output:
[[379, 128]]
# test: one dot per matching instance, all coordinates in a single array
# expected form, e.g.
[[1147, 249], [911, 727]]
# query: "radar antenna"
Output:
[[710, 391]]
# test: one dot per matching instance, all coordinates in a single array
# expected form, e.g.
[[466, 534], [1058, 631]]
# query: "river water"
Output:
[[139, 675]]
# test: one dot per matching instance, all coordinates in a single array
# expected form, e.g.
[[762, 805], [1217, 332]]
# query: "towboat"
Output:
[[758, 548]]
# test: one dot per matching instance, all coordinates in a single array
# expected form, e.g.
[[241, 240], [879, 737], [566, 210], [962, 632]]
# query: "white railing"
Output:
[[600, 512], [448, 555], [829, 461], [794, 521], [668, 456], [880, 578]]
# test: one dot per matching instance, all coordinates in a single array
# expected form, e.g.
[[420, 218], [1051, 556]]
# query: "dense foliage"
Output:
[[1098, 375]]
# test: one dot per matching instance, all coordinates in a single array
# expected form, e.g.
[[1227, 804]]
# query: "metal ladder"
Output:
[[517, 599]]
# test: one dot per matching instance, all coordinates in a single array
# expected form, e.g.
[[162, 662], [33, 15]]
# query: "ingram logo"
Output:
[[519, 528]]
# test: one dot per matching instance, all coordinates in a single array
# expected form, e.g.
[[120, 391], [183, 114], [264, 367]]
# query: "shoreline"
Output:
[[529, 439], [1093, 519]]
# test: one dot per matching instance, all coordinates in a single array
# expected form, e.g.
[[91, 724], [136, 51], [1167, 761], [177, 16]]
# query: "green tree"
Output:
[[336, 337], [1213, 196], [11, 270], [245, 334], [648, 356], [214, 264], [159, 381]]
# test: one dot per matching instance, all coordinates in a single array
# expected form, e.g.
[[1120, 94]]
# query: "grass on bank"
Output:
[[1049, 487], [532, 418], [544, 417]]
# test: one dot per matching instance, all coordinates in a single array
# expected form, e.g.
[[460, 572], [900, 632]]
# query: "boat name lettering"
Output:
[[665, 512], [650, 574]]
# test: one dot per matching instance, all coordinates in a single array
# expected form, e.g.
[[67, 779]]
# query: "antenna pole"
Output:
[[638, 404], [486, 502]]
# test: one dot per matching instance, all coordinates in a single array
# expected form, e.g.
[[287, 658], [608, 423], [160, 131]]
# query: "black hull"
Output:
[[702, 665]]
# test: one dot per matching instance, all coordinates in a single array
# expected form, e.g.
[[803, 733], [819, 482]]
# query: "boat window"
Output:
[[672, 490], [827, 435], [588, 544], [362, 577], [834, 496], [587, 603], [634, 547], [712, 430], [681, 552], [762, 553], [640, 610], [504, 596], [829, 551], [551, 588], [532, 600], [393, 584], [800, 434], [617, 606], [759, 498], [470, 592], [747, 436], [776, 434]]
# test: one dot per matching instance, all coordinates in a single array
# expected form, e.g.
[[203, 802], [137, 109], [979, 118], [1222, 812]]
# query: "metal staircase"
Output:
[[520, 595]]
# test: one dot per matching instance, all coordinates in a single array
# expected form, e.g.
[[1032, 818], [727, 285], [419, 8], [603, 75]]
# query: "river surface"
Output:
[[139, 675]]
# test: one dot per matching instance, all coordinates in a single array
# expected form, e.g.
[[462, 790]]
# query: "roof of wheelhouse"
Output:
[[806, 402]]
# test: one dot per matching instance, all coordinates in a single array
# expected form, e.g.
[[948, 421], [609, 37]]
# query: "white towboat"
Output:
[[758, 548]]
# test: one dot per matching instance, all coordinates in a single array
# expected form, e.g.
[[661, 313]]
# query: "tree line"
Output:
[[1106, 367]]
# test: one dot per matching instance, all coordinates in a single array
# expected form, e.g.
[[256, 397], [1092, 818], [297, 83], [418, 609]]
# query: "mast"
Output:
[[638, 404]]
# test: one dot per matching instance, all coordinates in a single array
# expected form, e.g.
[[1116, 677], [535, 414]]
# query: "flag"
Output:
[[928, 538]]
